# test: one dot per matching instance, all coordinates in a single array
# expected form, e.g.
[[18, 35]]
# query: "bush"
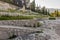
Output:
[[52, 18], [38, 24]]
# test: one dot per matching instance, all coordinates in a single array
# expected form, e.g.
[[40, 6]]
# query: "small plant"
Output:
[[38, 24]]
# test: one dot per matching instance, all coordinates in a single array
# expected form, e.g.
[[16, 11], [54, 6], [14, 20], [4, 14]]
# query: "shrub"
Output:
[[52, 18], [38, 24]]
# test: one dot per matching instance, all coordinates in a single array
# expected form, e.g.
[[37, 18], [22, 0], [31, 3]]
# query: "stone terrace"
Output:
[[20, 23]]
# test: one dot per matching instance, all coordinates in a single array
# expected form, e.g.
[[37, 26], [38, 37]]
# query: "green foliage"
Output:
[[56, 13], [44, 11], [38, 10], [32, 6], [37, 24], [52, 18], [6, 17]]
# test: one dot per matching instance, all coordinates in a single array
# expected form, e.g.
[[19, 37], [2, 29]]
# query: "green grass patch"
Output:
[[15, 17]]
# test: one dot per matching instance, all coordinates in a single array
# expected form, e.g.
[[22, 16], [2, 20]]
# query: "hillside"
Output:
[[5, 6]]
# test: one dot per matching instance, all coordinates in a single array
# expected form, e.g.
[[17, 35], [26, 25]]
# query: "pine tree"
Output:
[[44, 11], [32, 6]]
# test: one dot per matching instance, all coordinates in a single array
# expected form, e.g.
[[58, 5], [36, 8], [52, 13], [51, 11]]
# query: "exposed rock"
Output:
[[49, 32]]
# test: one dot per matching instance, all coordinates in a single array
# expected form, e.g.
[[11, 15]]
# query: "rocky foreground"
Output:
[[50, 30]]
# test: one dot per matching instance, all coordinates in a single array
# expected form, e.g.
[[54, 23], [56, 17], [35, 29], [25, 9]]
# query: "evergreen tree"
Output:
[[37, 9], [44, 11], [32, 6]]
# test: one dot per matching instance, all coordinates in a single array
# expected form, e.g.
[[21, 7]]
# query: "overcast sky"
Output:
[[49, 3]]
